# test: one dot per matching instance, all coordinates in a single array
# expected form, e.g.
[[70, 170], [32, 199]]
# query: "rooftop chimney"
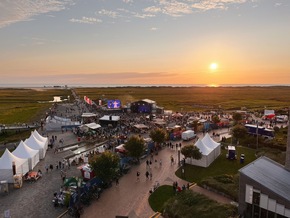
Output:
[[287, 163]]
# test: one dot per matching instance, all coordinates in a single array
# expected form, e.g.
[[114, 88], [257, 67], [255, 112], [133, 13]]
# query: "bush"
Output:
[[224, 184], [188, 204]]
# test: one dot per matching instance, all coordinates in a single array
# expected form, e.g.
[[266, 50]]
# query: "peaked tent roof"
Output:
[[7, 159], [207, 140], [23, 151], [34, 143], [38, 136], [202, 147]]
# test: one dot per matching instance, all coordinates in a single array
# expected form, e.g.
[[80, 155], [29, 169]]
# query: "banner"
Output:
[[88, 101]]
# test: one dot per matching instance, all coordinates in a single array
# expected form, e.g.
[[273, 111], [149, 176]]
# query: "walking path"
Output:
[[130, 197]]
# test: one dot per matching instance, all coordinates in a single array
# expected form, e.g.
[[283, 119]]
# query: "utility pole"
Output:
[[257, 135]]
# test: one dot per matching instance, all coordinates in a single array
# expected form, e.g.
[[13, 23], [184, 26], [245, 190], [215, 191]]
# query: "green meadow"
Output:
[[22, 105], [197, 98]]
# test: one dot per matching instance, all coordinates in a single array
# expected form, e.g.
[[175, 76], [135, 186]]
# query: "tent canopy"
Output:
[[93, 125], [110, 118], [207, 140], [202, 147], [141, 126], [39, 137], [23, 151], [8, 158], [6, 169], [89, 115]]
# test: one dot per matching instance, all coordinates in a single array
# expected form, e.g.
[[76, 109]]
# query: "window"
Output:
[[256, 198]]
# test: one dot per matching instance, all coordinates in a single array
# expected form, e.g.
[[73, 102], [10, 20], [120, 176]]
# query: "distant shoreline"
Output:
[[136, 85]]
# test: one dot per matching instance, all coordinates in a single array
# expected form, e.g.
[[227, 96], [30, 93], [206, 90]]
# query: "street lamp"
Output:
[[257, 134], [178, 152]]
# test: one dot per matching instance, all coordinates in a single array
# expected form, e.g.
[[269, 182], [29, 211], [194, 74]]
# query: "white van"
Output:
[[188, 135]]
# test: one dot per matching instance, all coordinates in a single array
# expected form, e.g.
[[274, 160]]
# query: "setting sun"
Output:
[[213, 66]]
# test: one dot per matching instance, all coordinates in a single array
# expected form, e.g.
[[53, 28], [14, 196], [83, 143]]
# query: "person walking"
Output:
[[117, 181], [147, 175], [138, 175], [46, 168]]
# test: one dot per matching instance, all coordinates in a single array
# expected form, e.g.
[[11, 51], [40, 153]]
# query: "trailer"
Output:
[[188, 135], [281, 119], [260, 130]]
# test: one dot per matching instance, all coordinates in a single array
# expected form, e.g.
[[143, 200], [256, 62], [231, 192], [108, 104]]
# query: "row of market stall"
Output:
[[24, 158]]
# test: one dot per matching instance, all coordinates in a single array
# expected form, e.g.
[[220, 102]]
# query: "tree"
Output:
[[158, 135], [191, 151], [239, 131], [237, 117], [215, 119], [135, 146], [105, 165]]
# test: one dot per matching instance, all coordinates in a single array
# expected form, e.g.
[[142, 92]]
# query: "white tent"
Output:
[[109, 118], [57, 123], [210, 151], [25, 152], [93, 125], [207, 155], [209, 142], [35, 144], [6, 169], [40, 138]]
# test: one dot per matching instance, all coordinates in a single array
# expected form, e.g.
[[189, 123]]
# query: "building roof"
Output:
[[269, 174], [110, 118], [149, 101]]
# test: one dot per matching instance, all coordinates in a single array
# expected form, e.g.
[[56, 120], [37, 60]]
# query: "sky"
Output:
[[144, 42]]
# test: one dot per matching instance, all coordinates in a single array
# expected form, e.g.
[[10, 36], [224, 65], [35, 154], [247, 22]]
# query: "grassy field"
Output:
[[22, 105], [197, 98], [161, 195], [220, 166], [188, 204]]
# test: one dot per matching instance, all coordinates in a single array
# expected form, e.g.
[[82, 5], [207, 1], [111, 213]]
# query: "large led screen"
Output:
[[113, 104]]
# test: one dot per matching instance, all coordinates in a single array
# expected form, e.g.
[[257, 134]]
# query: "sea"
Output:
[[131, 85]]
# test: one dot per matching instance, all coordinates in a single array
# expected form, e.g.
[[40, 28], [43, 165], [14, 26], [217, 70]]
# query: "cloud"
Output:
[[128, 1], [24, 10], [205, 5], [86, 20], [177, 8], [111, 14]]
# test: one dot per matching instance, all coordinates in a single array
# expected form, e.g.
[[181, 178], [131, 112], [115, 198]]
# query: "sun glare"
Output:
[[213, 66], [213, 85]]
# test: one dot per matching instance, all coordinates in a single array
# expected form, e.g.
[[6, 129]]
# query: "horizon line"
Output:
[[136, 85]]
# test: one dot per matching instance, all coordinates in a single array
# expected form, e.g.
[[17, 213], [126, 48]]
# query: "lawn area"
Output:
[[23, 105], [159, 196], [192, 98], [220, 166], [188, 204]]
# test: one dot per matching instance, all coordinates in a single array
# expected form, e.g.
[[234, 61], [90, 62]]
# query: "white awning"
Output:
[[141, 126], [93, 125], [88, 115]]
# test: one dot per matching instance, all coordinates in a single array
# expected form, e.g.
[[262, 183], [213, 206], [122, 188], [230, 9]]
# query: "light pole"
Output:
[[178, 155], [257, 134]]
